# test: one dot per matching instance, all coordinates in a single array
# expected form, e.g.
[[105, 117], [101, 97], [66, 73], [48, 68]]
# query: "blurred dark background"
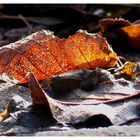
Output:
[[19, 20]]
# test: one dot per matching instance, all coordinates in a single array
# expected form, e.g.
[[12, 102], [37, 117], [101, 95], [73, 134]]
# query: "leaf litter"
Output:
[[74, 79]]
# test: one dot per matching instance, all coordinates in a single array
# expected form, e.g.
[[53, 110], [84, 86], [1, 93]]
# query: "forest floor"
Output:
[[64, 20], [7, 91]]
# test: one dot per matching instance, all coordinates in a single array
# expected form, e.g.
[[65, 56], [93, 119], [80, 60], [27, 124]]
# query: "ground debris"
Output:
[[108, 131]]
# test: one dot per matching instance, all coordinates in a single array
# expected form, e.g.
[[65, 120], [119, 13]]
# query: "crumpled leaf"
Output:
[[130, 71], [45, 55], [75, 103], [132, 34], [121, 33], [111, 24], [78, 105]]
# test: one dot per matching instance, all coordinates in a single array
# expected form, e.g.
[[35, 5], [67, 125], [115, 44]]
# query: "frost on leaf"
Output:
[[76, 105], [45, 55]]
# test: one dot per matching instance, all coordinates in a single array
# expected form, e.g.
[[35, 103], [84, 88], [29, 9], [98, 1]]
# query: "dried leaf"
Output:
[[111, 24], [121, 33], [77, 105], [45, 55], [130, 70], [132, 34]]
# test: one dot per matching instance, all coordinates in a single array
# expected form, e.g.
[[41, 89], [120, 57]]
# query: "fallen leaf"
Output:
[[129, 71], [132, 35], [111, 24], [45, 55], [121, 33], [77, 105]]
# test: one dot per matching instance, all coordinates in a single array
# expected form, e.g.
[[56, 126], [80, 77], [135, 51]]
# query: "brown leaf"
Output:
[[36, 92], [132, 34], [89, 86], [110, 24], [45, 55], [121, 33], [76, 105], [118, 110]]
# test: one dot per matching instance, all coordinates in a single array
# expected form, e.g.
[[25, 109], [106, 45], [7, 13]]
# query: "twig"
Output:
[[26, 22]]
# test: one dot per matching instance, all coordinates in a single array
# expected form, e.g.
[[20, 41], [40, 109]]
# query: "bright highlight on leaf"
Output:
[[45, 55], [132, 33], [120, 32], [129, 70]]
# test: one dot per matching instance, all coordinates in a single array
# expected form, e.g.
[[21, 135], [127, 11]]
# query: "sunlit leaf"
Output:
[[121, 33], [132, 34], [45, 55], [129, 70]]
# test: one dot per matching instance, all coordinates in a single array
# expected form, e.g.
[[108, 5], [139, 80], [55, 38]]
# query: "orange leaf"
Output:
[[4, 115], [45, 55], [132, 34], [128, 71], [121, 33]]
